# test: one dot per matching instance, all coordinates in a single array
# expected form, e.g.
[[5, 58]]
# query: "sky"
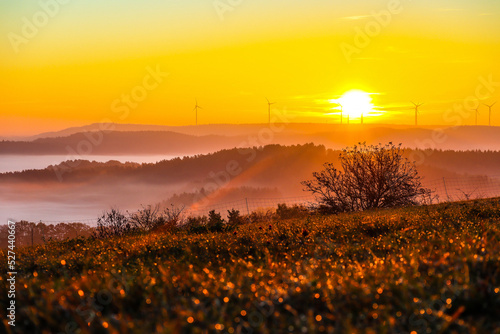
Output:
[[71, 62]]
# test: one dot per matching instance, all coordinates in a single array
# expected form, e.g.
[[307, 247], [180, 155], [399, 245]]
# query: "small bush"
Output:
[[151, 218], [170, 218], [112, 223], [212, 223], [234, 218], [261, 216], [146, 218], [215, 222], [285, 212], [197, 224]]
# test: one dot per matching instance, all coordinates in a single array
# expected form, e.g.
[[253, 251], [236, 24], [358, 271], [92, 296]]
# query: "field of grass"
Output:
[[430, 269]]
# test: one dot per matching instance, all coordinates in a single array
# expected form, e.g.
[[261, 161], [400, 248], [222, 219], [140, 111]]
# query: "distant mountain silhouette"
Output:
[[187, 140], [116, 142], [198, 130]]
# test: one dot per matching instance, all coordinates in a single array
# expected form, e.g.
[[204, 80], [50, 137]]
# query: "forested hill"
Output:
[[271, 165]]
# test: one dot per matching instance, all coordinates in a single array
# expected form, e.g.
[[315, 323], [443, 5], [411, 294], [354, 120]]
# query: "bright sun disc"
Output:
[[355, 103]]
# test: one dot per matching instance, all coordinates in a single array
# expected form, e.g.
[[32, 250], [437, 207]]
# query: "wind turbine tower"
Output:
[[417, 105], [269, 109], [489, 108], [196, 107], [477, 113]]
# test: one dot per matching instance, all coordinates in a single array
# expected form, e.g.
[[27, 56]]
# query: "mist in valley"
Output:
[[227, 167]]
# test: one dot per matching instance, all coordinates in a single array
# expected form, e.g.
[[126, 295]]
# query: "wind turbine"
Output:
[[489, 107], [269, 109], [196, 107], [477, 113], [417, 105]]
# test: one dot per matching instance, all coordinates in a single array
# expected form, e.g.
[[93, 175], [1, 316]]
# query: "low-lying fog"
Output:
[[17, 163]]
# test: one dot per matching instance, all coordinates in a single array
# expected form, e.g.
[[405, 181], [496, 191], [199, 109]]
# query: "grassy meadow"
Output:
[[427, 269]]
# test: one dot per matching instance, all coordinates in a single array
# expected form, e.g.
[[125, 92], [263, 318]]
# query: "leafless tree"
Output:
[[172, 216], [112, 223], [146, 218], [371, 177], [151, 217]]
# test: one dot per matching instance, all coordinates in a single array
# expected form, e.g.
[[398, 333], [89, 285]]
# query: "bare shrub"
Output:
[[112, 223], [151, 218], [371, 177]]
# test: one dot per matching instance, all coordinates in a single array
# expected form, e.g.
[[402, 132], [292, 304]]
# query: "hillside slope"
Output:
[[420, 269]]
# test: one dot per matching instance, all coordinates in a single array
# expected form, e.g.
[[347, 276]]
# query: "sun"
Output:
[[354, 103]]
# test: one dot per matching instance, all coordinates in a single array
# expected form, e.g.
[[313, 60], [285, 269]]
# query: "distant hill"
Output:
[[199, 130], [153, 139], [116, 142], [270, 165]]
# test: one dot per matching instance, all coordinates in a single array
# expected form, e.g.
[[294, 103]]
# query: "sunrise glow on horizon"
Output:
[[69, 63]]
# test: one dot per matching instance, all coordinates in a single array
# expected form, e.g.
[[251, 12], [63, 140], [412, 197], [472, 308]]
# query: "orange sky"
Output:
[[83, 62]]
